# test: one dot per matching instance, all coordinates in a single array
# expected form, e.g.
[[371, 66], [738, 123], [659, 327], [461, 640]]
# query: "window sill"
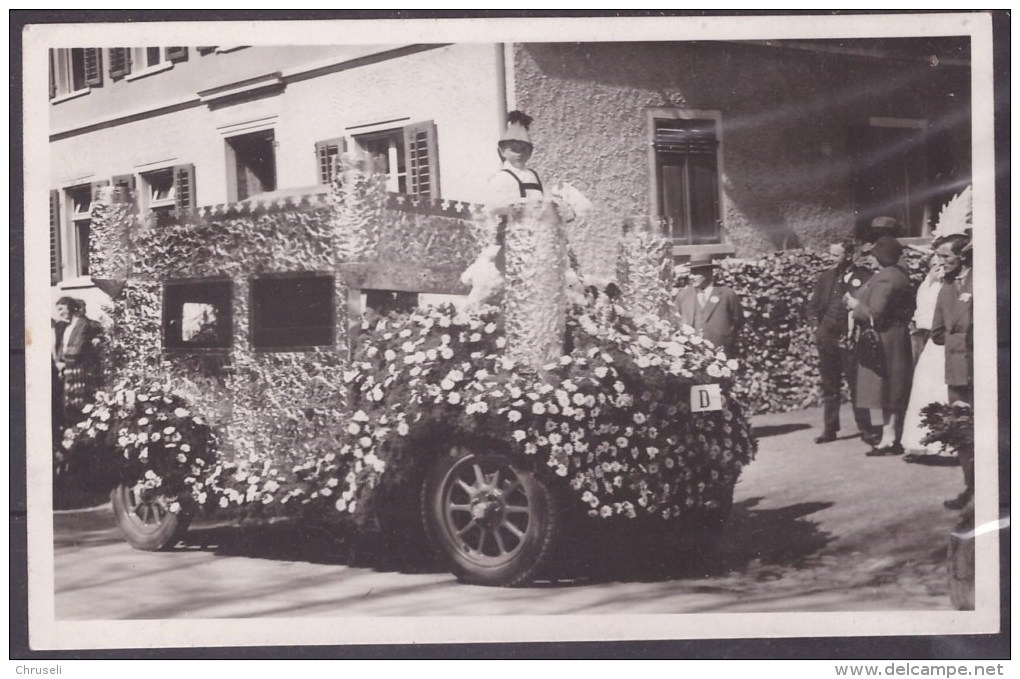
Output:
[[67, 96], [709, 249], [76, 283], [151, 70]]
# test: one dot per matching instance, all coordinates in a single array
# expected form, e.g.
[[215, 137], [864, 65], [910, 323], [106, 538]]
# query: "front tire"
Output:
[[495, 522], [146, 520]]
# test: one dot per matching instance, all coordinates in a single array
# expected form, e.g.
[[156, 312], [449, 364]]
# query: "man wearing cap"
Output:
[[836, 362], [713, 310], [884, 226]]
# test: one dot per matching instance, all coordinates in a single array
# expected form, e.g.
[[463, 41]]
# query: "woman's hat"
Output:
[[887, 250], [517, 124]]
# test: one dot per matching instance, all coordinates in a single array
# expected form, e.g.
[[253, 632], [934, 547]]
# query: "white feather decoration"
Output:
[[955, 217]]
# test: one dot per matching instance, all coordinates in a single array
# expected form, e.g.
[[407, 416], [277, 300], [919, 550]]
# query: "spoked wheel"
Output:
[[146, 519], [494, 521]]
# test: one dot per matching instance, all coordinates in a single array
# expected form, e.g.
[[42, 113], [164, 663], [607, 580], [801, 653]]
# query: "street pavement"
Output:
[[814, 528]]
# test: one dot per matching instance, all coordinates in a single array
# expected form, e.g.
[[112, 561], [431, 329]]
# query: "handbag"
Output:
[[870, 352]]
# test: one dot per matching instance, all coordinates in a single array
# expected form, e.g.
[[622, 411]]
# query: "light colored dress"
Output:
[[929, 385]]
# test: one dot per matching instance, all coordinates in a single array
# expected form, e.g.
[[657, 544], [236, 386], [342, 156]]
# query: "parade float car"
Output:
[[302, 358]]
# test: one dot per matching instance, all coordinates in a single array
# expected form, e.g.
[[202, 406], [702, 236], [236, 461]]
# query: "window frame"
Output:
[[254, 311], [61, 69], [396, 151], [74, 220], [162, 205], [656, 114], [404, 131], [224, 348], [138, 56], [233, 163]]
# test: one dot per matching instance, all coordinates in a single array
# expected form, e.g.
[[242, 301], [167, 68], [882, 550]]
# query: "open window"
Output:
[[251, 164], [74, 71], [292, 311], [198, 315], [408, 156], [79, 215]]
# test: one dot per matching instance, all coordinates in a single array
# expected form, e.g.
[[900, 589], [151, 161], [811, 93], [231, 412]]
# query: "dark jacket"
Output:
[[718, 321], [825, 309], [953, 327]]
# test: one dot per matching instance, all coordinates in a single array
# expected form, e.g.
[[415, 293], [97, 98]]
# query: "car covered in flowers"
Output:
[[494, 427]]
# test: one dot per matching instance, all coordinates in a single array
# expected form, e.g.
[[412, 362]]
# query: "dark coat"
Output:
[[888, 300], [718, 321], [953, 327], [838, 279]]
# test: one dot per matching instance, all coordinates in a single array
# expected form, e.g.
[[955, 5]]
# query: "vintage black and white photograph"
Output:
[[472, 330]]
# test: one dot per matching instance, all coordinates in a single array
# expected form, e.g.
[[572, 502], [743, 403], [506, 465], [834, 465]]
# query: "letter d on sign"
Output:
[[705, 397]]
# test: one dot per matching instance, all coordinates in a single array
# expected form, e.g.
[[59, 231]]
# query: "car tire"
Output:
[[495, 522], [146, 521]]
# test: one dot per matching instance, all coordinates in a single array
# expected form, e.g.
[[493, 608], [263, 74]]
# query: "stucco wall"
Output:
[[785, 118]]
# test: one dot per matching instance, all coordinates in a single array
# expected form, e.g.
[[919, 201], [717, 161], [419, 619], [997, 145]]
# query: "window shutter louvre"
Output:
[[120, 62], [327, 155], [55, 263], [685, 136], [94, 67], [184, 186], [176, 54], [422, 156]]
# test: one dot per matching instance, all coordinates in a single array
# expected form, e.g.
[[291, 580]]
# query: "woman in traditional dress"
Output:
[[886, 301], [77, 358]]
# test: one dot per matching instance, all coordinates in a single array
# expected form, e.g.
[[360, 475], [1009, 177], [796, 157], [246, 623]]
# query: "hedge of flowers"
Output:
[[610, 420]]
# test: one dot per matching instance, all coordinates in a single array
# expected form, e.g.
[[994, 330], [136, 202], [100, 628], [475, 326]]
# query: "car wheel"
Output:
[[146, 520], [494, 521]]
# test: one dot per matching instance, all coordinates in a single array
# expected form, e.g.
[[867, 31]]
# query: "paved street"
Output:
[[814, 528]]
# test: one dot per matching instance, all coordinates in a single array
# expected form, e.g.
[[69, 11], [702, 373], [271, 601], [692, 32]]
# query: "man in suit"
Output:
[[713, 310], [836, 362], [953, 327]]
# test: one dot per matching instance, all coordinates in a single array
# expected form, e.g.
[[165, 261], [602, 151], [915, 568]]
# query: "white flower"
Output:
[[365, 442], [446, 353], [713, 370], [601, 371], [447, 384], [519, 435], [143, 421], [482, 407], [390, 355], [182, 458], [639, 418], [341, 505], [353, 429], [514, 416], [454, 397], [185, 447], [181, 412], [538, 407]]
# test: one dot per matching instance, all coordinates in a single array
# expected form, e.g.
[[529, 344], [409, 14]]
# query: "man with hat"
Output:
[[836, 362], [884, 226], [713, 310]]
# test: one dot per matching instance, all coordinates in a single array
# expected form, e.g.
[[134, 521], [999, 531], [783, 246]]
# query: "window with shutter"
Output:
[[422, 160], [55, 261], [687, 179], [69, 70], [120, 62], [184, 186], [327, 155]]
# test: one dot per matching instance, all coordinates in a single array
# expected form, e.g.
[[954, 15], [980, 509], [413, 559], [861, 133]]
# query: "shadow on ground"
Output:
[[778, 429], [593, 551]]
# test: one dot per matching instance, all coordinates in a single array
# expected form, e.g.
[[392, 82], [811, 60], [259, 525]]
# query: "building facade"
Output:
[[733, 148]]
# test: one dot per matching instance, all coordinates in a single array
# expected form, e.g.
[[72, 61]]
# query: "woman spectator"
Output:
[[886, 301], [76, 356], [929, 383]]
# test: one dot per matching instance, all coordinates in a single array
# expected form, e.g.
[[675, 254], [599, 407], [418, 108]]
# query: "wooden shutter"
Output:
[[120, 62], [685, 136], [55, 262], [176, 54], [422, 158], [53, 77], [184, 186], [94, 67], [327, 155]]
